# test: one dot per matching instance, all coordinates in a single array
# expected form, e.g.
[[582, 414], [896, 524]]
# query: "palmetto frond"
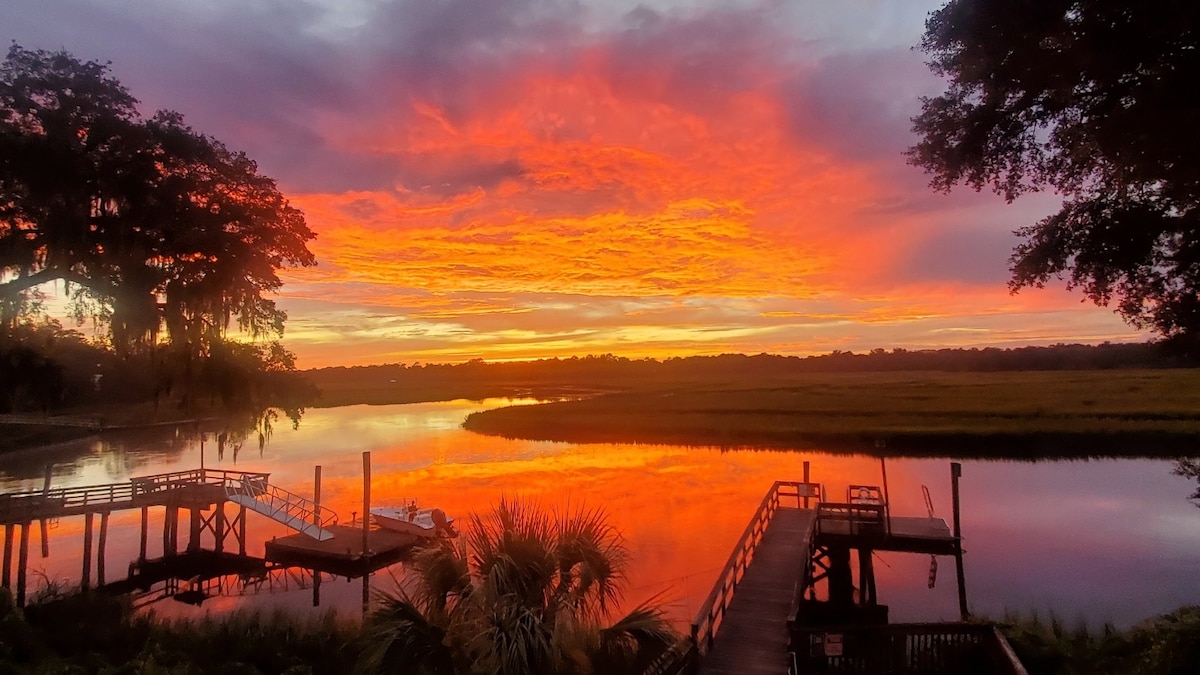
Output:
[[591, 559], [634, 641], [399, 638]]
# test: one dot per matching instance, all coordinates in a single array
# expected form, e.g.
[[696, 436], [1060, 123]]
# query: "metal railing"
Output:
[[281, 505], [852, 519], [904, 648]]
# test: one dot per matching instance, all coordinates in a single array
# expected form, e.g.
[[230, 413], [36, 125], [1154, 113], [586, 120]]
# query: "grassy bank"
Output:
[[1057, 413]]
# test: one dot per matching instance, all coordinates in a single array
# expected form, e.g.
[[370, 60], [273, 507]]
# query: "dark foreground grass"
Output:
[[1014, 414], [102, 634], [1165, 645]]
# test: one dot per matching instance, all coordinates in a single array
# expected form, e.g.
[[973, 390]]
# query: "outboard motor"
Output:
[[442, 524]]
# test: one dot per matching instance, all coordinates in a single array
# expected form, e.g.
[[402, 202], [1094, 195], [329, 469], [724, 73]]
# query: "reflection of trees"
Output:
[[1189, 468]]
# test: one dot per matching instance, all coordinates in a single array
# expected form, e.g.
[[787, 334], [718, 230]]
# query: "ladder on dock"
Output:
[[299, 513]]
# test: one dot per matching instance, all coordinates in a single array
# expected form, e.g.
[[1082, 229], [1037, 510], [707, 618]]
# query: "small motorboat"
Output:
[[409, 519]]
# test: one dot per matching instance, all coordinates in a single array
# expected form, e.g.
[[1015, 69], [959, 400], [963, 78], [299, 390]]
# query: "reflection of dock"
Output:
[[763, 616]]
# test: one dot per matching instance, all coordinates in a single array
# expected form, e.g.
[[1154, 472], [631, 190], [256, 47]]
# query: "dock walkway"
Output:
[[753, 636]]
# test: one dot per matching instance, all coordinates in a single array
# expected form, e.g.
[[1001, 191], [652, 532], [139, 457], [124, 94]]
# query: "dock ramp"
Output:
[[299, 513]]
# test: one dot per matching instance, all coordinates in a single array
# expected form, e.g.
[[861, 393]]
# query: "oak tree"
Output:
[[1097, 101], [164, 227]]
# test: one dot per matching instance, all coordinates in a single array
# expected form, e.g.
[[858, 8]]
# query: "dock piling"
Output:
[[6, 573], [366, 521], [22, 563], [100, 547], [955, 474], [86, 581]]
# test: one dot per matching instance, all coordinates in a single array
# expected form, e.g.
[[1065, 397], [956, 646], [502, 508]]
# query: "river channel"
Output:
[[1098, 540]]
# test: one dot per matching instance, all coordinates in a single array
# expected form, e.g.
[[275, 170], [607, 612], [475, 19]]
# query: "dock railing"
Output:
[[684, 655], [31, 505], [925, 648]]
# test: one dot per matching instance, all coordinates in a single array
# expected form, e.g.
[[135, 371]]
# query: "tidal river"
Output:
[[1099, 540]]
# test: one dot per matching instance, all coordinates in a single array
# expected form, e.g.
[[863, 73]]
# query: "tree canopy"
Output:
[[1096, 100], [159, 226]]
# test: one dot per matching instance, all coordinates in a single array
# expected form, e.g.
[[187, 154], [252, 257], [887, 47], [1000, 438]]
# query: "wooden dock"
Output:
[[343, 554], [753, 638], [766, 595]]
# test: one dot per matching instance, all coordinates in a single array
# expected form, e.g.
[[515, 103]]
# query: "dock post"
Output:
[[366, 520], [42, 522], [194, 528], [841, 578], [220, 529], [100, 546], [145, 531], [241, 533], [806, 467], [6, 572], [22, 562], [955, 474], [316, 588], [86, 581], [317, 497]]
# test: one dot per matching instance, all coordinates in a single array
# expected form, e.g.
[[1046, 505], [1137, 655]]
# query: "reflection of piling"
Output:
[[366, 524], [22, 563], [955, 474], [6, 571]]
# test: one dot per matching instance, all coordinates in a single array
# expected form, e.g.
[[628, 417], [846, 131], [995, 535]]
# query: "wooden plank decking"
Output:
[[752, 638]]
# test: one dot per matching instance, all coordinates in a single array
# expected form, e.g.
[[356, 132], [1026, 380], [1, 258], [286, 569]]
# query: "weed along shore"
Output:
[[1137, 413]]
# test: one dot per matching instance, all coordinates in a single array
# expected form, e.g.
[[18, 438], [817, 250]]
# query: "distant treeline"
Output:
[[398, 383]]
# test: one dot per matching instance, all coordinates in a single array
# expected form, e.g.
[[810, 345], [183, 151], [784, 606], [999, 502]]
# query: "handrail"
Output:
[[281, 501], [112, 494], [908, 647], [712, 612]]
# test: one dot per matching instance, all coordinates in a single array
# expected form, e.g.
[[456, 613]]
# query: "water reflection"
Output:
[[1104, 539]]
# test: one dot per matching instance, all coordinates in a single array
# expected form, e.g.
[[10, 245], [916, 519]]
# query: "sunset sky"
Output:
[[532, 178]]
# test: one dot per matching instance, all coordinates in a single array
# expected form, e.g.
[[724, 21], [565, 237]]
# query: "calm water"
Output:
[[1109, 540]]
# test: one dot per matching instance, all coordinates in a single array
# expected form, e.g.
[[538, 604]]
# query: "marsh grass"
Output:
[[1133, 412]]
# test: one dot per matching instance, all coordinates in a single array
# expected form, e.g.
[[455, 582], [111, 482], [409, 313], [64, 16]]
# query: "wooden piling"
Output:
[[241, 536], [100, 548], [219, 547], [22, 563], [6, 572], [196, 523], [806, 468], [86, 581], [317, 496], [955, 474], [145, 531], [44, 531]]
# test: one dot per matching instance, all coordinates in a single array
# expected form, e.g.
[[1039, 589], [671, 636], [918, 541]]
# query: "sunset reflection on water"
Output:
[[681, 510]]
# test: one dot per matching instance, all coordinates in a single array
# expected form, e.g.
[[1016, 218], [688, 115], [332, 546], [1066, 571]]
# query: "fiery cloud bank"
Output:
[[532, 178]]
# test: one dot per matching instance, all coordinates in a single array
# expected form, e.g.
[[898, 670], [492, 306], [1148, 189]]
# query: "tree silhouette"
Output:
[[1097, 101], [164, 227]]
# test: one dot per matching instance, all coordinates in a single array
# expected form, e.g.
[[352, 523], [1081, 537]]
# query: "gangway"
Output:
[[299, 513]]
